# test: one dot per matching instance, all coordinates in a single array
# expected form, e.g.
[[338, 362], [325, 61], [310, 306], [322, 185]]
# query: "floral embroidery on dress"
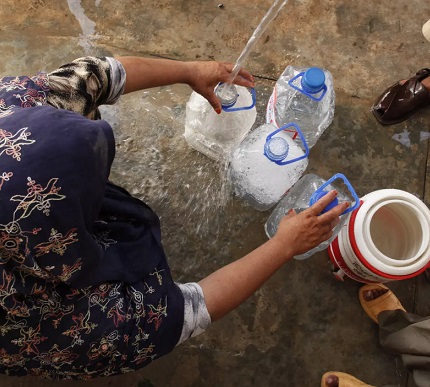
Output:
[[10, 144], [5, 176], [13, 83], [31, 98], [103, 240], [14, 241], [29, 92], [57, 242], [5, 109], [37, 197], [57, 357], [156, 313]]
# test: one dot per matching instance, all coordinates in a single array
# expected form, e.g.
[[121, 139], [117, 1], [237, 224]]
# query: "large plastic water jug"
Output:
[[217, 135], [266, 164], [303, 96], [386, 239], [306, 192]]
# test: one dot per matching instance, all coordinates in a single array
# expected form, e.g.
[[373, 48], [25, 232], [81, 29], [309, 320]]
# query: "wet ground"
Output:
[[303, 322]]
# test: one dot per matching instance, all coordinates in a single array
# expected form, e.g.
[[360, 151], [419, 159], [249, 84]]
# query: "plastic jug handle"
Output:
[[302, 138], [347, 183], [233, 109], [311, 96]]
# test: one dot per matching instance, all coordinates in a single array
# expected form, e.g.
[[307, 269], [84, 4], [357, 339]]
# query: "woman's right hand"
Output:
[[302, 232], [205, 75]]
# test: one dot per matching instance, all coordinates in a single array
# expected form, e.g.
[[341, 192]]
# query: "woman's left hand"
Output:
[[205, 75]]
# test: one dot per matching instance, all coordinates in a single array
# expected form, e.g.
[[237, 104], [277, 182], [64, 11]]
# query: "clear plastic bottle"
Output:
[[303, 96], [266, 164], [217, 135], [306, 192]]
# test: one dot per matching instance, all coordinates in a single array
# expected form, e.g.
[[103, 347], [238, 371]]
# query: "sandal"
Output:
[[388, 301], [341, 379], [399, 102]]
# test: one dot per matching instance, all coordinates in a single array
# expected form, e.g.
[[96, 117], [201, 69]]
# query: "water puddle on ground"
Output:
[[88, 36], [404, 137]]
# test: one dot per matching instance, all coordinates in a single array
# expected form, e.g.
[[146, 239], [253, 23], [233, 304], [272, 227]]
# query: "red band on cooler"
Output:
[[337, 259]]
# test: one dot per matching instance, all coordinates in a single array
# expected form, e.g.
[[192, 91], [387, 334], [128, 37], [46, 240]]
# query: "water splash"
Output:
[[88, 27], [185, 188]]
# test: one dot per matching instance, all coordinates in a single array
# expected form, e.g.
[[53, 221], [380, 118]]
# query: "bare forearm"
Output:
[[231, 285], [201, 76], [144, 73]]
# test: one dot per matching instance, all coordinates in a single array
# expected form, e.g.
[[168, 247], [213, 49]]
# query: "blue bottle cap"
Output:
[[318, 195], [276, 148], [313, 80]]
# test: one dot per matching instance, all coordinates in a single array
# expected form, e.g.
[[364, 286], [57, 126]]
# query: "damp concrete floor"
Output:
[[302, 322]]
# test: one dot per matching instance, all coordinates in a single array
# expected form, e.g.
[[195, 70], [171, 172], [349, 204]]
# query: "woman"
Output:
[[86, 290]]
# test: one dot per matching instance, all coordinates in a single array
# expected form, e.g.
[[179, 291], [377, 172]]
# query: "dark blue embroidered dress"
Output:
[[85, 289]]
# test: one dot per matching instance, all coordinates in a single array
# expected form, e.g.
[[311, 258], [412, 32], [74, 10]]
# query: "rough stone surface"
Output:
[[303, 322]]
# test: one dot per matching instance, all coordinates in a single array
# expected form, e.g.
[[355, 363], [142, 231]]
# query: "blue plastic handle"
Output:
[[320, 191], [302, 138], [233, 109], [291, 83]]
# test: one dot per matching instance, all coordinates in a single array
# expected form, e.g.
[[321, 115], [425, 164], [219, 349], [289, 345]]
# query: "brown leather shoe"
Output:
[[399, 102]]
